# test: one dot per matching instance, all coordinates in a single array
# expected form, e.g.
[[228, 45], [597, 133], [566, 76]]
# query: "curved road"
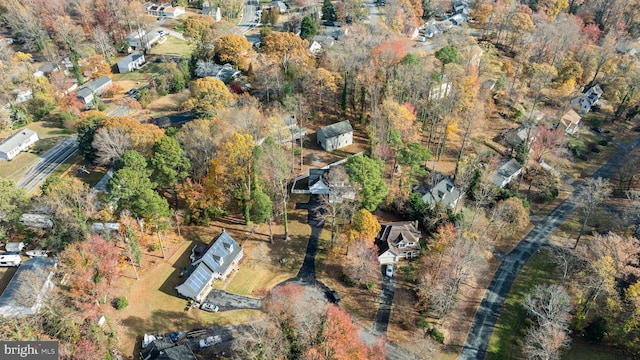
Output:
[[493, 300], [49, 162], [249, 16]]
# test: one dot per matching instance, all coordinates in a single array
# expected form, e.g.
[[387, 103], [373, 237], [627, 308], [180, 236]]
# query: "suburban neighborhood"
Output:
[[339, 179]]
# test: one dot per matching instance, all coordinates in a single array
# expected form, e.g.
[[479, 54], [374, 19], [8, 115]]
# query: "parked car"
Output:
[[209, 307], [162, 32], [132, 92], [334, 297], [389, 271]]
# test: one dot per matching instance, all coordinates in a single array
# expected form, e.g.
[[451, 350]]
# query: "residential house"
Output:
[[319, 184], [16, 143], [224, 73], [280, 5], [489, 84], [288, 130], [444, 192], [45, 69], [208, 263], [516, 137], [140, 39], [397, 241], [105, 228], [570, 122], [507, 172], [588, 99], [94, 87], [27, 288], [319, 42], [335, 136], [165, 349], [458, 19], [130, 63], [460, 6], [36, 221], [210, 9], [164, 10]]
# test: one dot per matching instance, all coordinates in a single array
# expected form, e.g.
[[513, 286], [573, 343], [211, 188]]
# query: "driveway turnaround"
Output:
[[491, 305]]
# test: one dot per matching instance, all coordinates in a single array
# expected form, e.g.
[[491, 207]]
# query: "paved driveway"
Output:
[[381, 321], [491, 305]]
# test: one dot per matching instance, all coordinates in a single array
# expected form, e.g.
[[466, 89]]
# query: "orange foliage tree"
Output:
[[142, 135]]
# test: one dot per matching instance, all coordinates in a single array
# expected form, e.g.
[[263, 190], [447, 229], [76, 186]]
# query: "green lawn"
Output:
[[173, 45], [50, 135], [138, 75], [511, 322]]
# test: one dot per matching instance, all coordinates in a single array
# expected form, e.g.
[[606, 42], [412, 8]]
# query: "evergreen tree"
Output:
[[308, 28], [328, 11]]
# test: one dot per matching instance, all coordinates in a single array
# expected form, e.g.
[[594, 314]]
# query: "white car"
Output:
[[209, 307], [389, 271], [162, 32]]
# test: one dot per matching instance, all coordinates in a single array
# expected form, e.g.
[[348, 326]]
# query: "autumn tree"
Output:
[[549, 306], [276, 173], [362, 262], [110, 144], [92, 268], [199, 139], [232, 49], [208, 95], [364, 226], [368, 174], [509, 216], [285, 48], [72, 204], [13, 201], [88, 123], [595, 191], [235, 160], [142, 135]]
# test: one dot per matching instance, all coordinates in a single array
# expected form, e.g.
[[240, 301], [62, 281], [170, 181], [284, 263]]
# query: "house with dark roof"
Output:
[[130, 62], [507, 172], [208, 263], [335, 136], [444, 192], [94, 87], [319, 185], [165, 349], [588, 99], [397, 241], [28, 287], [16, 143]]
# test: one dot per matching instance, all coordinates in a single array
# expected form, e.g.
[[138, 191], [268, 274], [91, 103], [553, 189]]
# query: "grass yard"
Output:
[[50, 135], [507, 332], [151, 68], [173, 45]]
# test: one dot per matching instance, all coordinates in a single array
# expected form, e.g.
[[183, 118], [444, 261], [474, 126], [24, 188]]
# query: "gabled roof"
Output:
[[506, 171], [333, 130], [316, 183], [93, 86], [571, 117], [129, 59], [164, 349], [444, 191], [16, 140], [399, 237]]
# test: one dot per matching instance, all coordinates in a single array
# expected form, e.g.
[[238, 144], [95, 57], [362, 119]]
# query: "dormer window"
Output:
[[228, 246]]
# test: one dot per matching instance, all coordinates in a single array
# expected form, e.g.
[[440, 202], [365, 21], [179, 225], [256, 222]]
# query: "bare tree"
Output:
[[594, 192], [103, 42], [260, 340], [362, 265], [111, 144], [549, 305], [337, 204]]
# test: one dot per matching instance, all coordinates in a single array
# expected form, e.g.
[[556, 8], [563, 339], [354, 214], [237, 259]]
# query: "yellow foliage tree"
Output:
[[285, 47], [364, 226], [232, 48], [142, 135], [208, 95]]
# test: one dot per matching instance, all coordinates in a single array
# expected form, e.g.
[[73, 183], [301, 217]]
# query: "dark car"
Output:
[[132, 92], [334, 297], [597, 129]]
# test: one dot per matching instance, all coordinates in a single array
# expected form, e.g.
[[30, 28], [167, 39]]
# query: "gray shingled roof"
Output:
[[24, 293], [16, 140], [129, 59], [333, 130]]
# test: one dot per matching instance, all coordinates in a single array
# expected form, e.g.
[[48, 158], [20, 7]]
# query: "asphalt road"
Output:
[[249, 16], [491, 305], [374, 12], [49, 162]]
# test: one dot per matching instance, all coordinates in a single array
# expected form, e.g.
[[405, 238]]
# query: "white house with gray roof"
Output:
[[28, 287], [335, 136], [94, 87], [130, 62], [16, 143], [208, 263], [507, 172], [444, 192]]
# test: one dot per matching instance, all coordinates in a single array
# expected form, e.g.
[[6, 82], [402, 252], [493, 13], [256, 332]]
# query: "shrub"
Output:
[[422, 322], [437, 335], [348, 281], [596, 330], [369, 285], [603, 142], [120, 303]]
